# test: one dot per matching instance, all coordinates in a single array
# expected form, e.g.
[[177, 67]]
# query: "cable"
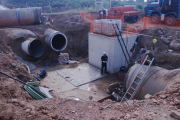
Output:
[[23, 83], [123, 42], [121, 45]]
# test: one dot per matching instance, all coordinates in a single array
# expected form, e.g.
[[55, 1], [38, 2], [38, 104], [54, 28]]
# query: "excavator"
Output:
[[159, 9]]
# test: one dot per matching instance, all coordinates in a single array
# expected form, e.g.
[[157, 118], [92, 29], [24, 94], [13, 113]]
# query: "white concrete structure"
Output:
[[99, 44]]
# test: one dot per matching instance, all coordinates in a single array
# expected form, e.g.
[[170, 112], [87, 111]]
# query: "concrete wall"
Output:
[[99, 44]]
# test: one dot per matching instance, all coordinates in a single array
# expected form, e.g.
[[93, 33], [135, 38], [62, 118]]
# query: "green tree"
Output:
[[139, 1]]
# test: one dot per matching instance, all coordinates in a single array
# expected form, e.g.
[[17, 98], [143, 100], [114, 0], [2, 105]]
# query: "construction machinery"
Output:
[[163, 8], [115, 12], [131, 16]]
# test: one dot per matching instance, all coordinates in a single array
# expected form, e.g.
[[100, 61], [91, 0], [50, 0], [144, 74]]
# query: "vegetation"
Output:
[[88, 5], [139, 7]]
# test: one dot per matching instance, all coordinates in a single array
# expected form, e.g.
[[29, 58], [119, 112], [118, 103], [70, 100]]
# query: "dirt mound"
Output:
[[165, 38], [11, 66]]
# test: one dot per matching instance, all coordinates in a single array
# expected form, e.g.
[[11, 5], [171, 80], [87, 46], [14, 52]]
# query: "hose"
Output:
[[28, 69], [24, 84], [32, 92]]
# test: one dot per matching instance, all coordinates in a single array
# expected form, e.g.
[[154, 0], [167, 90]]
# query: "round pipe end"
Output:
[[58, 42], [55, 39], [33, 47]]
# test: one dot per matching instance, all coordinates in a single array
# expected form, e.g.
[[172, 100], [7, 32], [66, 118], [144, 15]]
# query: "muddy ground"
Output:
[[16, 103]]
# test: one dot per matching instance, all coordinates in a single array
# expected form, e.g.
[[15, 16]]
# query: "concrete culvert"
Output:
[[33, 47], [56, 40], [155, 80]]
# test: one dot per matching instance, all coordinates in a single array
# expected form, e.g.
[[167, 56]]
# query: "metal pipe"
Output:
[[20, 16], [156, 80], [55, 39], [33, 47]]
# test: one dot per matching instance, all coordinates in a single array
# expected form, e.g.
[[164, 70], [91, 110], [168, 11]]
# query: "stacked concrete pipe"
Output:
[[156, 80], [55, 39], [33, 47], [20, 16]]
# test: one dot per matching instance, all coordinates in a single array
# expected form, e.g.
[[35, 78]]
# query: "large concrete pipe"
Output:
[[20, 16], [156, 80], [33, 47], [55, 39]]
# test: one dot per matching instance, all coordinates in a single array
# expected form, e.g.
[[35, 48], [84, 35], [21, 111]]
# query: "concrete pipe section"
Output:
[[20, 16], [156, 80], [33, 47], [56, 40]]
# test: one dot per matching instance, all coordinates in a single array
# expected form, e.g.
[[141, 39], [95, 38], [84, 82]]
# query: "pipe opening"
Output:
[[36, 48], [59, 42]]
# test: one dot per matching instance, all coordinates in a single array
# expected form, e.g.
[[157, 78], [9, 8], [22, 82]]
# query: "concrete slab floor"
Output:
[[80, 75], [63, 89]]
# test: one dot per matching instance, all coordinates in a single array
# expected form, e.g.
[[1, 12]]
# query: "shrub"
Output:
[[139, 7], [58, 4]]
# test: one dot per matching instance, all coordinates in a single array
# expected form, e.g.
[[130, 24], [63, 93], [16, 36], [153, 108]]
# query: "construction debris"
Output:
[[175, 114], [63, 58]]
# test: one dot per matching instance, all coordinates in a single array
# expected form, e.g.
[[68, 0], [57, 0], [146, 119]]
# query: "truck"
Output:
[[158, 9]]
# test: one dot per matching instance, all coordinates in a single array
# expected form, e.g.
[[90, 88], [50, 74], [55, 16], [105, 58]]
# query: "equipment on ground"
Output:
[[29, 86], [40, 76], [122, 73], [43, 73], [37, 95], [131, 16], [90, 97], [121, 76], [118, 92], [163, 8], [137, 81], [116, 97]]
